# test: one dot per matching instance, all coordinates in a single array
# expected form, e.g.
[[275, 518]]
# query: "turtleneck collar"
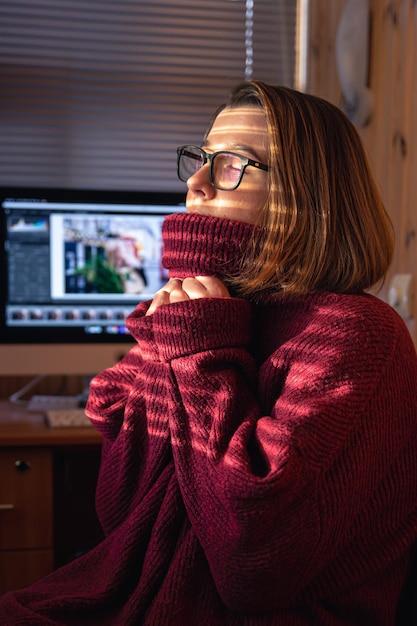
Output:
[[203, 245]]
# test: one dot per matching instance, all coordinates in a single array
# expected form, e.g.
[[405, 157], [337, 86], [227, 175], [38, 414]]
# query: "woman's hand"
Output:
[[192, 288]]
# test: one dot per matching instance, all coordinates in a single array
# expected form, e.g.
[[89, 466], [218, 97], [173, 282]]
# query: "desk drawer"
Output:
[[21, 568], [25, 498]]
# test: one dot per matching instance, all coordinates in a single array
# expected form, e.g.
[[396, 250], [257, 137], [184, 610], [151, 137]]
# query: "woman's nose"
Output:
[[200, 182]]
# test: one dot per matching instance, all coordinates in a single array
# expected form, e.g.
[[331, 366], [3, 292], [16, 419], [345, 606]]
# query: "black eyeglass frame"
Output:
[[245, 161]]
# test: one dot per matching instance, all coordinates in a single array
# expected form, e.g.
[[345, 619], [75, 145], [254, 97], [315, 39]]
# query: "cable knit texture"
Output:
[[259, 462]]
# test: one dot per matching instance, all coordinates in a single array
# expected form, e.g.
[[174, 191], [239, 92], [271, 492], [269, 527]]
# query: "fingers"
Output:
[[160, 298], [192, 288], [177, 292], [171, 292], [205, 287]]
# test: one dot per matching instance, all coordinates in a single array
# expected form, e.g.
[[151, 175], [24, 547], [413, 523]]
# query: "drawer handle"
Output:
[[22, 466], [6, 507]]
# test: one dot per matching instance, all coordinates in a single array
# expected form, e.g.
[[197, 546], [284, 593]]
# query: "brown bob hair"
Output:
[[324, 226]]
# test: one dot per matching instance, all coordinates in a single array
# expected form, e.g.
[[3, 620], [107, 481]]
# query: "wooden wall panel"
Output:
[[391, 134], [321, 66]]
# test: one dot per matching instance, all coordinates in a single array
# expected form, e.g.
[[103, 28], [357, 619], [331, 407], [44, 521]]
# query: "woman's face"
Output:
[[242, 130]]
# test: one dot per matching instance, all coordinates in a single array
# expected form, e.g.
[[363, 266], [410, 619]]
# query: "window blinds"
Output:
[[97, 94]]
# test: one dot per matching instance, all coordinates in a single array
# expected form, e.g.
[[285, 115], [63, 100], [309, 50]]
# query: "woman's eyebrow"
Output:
[[234, 147]]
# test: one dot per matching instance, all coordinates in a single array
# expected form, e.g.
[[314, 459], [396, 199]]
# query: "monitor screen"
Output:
[[75, 263]]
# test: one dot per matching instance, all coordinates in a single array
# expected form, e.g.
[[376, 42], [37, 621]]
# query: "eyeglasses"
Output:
[[226, 168]]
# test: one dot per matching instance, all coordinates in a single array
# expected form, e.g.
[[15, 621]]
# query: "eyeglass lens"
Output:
[[227, 169], [190, 162]]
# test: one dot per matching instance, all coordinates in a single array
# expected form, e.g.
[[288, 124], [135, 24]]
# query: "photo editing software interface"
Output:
[[78, 265]]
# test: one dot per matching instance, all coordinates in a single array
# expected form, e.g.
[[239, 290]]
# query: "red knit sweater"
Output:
[[259, 462]]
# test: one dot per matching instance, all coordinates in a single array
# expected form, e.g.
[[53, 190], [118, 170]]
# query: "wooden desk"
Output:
[[47, 487]]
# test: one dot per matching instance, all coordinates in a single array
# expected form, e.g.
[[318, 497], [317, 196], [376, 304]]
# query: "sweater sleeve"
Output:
[[111, 389], [129, 404], [275, 492]]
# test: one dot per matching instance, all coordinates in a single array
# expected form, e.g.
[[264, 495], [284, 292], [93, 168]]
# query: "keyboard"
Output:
[[67, 418], [47, 403]]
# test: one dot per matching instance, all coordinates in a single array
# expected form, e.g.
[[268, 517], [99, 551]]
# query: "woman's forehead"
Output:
[[242, 125]]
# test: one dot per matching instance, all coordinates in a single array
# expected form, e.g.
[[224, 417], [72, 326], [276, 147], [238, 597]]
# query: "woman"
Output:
[[259, 462]]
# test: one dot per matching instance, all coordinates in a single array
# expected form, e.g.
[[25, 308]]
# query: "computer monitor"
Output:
[[74, 264]]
